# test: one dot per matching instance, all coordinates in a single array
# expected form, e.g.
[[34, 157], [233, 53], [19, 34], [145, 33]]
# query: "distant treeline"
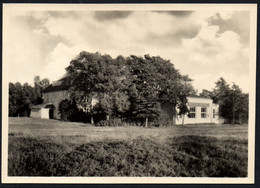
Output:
[[22, 96], [233, 103]]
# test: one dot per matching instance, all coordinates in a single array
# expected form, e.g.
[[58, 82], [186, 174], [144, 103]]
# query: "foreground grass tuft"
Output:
[[185, 156]]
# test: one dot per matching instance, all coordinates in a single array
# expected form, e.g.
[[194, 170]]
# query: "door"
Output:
[[51, 113]]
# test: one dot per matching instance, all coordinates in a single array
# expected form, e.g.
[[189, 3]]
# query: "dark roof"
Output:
[[52, 88], [43, 105]]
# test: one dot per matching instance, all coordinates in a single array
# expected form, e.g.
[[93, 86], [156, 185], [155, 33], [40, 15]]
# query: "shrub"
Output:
[[69, 112], [162, 121], [31, 157], [66, 110], [115, 122], [186, 156]]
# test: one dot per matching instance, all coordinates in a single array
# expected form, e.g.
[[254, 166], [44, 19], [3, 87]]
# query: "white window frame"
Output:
[[192, 112], [203, 113]]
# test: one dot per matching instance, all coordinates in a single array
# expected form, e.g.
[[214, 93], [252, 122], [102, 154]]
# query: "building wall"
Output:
[[200, 116], [215, 113], [40, 113], [45, 113], [55, 97], [35, 113]]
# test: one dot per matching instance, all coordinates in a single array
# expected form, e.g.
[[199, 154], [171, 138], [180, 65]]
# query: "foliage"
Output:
[[233, 103], [126, 87], [66, 110], [22, 96], [206, 93], [114, 122], [146, 111], [44, 83], [115, 104], [162, 120], [69, 112], [98, 76], [39, 86], [185, 156]]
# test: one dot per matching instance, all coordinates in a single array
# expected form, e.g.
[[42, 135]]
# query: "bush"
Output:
[[66, 110], [115, 122], [162, 121], [186, 156], [69, 112], [31, 157]]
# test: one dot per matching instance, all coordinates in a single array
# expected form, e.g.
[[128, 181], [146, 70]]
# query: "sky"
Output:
[[205, 45]]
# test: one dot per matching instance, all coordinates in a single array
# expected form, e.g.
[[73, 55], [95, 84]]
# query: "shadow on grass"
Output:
[[186, 156]]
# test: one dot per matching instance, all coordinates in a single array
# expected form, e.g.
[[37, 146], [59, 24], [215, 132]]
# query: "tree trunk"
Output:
[[92, 120], [146, 122], [183, 115], [107, 116]]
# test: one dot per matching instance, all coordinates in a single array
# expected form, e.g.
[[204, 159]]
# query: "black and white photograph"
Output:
[[128, 93]]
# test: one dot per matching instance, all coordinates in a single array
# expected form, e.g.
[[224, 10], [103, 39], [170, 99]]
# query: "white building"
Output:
[[201, 111], [43, 111]]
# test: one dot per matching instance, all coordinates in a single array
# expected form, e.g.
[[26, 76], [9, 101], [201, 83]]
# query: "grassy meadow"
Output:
[[55, 148]]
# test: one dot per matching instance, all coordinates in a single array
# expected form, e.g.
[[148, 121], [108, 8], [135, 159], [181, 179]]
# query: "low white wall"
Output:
[[36, 113], [45, 113]]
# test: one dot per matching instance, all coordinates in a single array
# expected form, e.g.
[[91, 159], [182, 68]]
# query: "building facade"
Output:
[[201, 111], [52, 96], [43, 111]]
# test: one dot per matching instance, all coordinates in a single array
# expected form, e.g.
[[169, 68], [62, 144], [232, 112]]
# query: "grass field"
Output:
[[55, 148]]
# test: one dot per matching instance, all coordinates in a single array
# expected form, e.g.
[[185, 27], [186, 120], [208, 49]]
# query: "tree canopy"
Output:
[[233, 103], [127, 87], [22, 96]]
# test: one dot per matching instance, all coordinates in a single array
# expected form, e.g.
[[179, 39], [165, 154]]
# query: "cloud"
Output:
[[59, 59], [63, 14], [173, 37], [158, 29], [204, 50], [176, 13], [111, 15], [209, 56], [237, 22]]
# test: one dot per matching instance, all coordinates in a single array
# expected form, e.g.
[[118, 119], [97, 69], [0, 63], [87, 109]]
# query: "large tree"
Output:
[[233, 103], [39, 86], [92, 75], [132, 86], [15, 99], [239, 105], [157, 83]]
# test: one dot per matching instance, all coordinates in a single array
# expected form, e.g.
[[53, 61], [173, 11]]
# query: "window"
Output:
[[192, 113], [203, 112], [214, 113]]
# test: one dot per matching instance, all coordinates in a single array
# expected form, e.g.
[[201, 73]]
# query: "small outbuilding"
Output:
[[43, 111]]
